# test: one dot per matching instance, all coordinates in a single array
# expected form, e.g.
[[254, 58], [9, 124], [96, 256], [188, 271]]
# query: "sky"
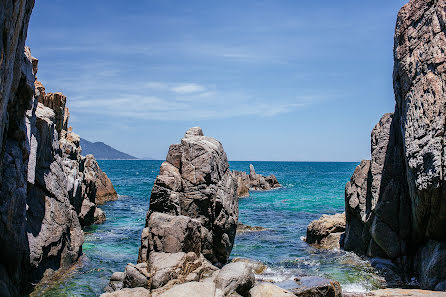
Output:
[[277, 80]]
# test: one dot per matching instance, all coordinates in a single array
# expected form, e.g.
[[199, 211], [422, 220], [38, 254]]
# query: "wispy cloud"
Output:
[[188, 88]]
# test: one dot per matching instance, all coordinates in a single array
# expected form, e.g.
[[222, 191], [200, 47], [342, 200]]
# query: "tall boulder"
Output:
[[396, 203], [195, 193]]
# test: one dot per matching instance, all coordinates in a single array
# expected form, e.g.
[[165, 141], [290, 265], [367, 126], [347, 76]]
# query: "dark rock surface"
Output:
[[44, 186], [254, 182], [196, 189], [396, 203]]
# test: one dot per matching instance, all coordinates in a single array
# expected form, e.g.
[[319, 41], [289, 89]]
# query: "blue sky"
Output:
[[272, 80]]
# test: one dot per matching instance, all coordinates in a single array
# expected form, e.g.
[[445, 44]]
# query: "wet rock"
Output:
[[269, 290], [235, 277], [316, 286], [326, 231], [242, 228], [257, 266], [254, 181], [99, 216], [431, 265]]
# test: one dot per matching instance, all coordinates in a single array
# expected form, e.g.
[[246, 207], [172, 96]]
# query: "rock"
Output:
[[235, 277], [196, 289], [170, 234], [431, 264], [99, 216], [254, 181], [326, 231], [269, 290], [203, 189], [242, 228], [136, 276], [116, 282], [317, 286], [395, 203], [129, 292], [257, 266], [164, 267], [104, 187]]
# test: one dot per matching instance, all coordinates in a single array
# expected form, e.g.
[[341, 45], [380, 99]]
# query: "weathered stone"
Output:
[[307, 286], [99, 216], [196, 289], [269, 290], [202, 189], [431, 265], [326, 231], [129, 292], [242, 228], [104, 187], [235, 277], [257, 266], [136, 276]]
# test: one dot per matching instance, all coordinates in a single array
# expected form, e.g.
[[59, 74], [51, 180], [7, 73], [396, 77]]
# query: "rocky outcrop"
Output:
[[104, 188], [254, 182], [43, 180], [193, 198], [396, 203], [326, 232]]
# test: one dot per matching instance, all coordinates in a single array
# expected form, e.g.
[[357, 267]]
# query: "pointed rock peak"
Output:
[[194, 131], [252, 171]]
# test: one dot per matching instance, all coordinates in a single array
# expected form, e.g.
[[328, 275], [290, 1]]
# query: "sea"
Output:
[[310, 189]]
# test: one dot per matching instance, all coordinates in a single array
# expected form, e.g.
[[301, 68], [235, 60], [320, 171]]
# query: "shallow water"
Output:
[[309, 190]]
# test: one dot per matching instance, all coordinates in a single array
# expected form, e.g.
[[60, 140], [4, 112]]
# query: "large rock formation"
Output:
[[396, 203], [326, 232], [193, 198], [44, 182], [254, 182]]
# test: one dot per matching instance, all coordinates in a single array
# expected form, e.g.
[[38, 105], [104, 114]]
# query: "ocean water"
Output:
[[309, 190]]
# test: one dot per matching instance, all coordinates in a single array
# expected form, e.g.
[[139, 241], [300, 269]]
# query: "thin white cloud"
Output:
[[188, 88]]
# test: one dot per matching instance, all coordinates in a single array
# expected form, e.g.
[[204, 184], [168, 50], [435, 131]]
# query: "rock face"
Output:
[[396, 203], [47, 193], [254, 182], [326, 232], [193, 198]]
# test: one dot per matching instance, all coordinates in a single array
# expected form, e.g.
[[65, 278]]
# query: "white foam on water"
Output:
[[354, 288]]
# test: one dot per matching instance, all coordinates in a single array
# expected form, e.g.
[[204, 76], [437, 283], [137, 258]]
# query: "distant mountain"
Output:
[[101, 151]]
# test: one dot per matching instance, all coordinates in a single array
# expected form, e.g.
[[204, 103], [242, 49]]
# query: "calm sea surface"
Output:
[[310, 190]]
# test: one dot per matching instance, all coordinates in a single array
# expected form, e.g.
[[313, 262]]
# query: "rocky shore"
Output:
[[47, 188], [254, 182], [395, 203], [190, 230]]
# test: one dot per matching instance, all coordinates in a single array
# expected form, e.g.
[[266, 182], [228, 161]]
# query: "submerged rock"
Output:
[[254, 181], [242, 228]]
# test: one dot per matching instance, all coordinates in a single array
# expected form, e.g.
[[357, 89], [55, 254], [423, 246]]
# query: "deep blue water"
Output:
[[310, 189]]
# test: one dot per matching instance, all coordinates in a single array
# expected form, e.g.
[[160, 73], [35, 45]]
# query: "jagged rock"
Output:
[[116, 282], [99, 216], [326, 231], [56, 101], [104, 187], [195, 182], [254, 181], [269, 290], [235, 277], [395, 203], [317, 286]]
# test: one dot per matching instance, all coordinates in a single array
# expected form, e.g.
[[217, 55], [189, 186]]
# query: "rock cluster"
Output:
[[396, 202], [47, 188], [254, 182]]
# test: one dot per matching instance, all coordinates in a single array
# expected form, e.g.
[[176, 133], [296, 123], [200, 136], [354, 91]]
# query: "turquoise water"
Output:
[[309, 190]]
